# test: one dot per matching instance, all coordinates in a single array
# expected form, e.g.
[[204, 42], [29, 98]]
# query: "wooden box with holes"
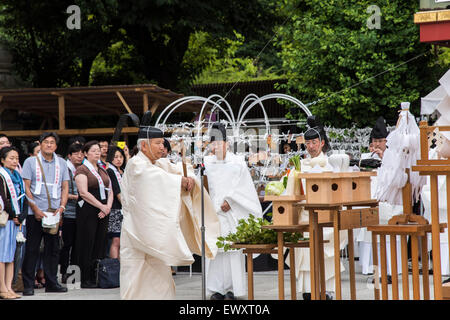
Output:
[[337, 187]]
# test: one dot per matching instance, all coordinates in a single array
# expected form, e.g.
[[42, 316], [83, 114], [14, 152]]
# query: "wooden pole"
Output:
[[405, 281], [280, 265], [61, 113], [123, 102], [250, 276], [292, 272], [435, 235], [155, 106], [375, 266], [415, 266], [337, 260], [145, 102], [394, 269]]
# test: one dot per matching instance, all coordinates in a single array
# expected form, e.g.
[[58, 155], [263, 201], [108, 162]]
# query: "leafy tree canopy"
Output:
[[327, 46]]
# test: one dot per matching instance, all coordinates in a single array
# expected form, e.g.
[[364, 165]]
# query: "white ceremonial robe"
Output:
[[230, 181], [302, 257], [386, 211], [160, 228]]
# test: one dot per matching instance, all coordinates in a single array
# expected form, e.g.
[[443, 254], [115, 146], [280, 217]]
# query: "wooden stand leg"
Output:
[[384, 285], [394, 269], [435, 235], [280, 266], [292, 272], [376, 285], [415, 266], [321, 264], [405, 281], [425, 273], [250, 276], [313, 226], [351, 263], [337, 256]]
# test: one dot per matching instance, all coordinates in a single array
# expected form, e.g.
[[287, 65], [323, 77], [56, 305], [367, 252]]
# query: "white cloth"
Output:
[[386, 211], [160, 228], [302, 257], [230, 181]]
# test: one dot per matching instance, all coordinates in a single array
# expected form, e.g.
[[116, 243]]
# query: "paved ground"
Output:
[[189, 288]]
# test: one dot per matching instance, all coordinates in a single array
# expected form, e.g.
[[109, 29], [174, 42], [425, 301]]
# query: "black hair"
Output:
[[74, 147], [167, 145], [112, 152], [76, 139], [31, 147], [4, 152], [88, 145], [45, 135]]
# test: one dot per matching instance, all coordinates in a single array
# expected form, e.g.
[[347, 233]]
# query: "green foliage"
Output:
[[250, 232], [209, 60], [326, 47]]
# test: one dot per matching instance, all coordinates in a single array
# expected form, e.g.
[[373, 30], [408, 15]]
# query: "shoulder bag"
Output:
[[4, 216], [51, 229]]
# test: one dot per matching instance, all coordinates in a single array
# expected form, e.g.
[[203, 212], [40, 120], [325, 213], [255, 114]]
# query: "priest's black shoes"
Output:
[[229, 296], [88, 285], [217, 296], [57, 289]]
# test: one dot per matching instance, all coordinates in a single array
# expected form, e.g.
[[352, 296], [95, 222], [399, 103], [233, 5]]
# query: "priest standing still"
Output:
[[317, 145], [161, 214], [234, 196]]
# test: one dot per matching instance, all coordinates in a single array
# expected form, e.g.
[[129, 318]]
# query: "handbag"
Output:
[[108, 273], [4, 216], [51, 229]]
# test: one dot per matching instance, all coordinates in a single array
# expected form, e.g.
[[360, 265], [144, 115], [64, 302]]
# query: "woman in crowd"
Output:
[[115, 170], [93, 207], [12, 193]]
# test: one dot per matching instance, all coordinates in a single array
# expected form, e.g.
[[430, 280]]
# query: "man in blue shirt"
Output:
[[56, 179]]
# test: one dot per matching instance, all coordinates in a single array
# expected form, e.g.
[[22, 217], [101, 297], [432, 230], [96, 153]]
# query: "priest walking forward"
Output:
[[161, 221], [234, 197]]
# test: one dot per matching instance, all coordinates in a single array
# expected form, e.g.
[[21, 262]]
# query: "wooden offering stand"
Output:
[[435, 168], [326, 195], [403, 225]]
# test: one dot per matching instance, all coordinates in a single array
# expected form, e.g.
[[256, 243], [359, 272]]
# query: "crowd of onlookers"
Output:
[[80, 191]]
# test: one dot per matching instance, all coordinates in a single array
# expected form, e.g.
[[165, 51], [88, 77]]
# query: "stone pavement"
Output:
[[189, 286]]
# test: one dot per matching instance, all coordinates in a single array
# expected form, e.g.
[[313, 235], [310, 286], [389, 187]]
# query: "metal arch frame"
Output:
[[273, 96]]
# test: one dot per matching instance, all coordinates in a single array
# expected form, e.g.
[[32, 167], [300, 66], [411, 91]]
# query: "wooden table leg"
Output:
[[337, 257], [376, 278], [425, 273], [292, 272], [435, 235], [250, 276], [394, 268], [415, 266], [313, 225], [384, 285], [351, 263], [320, 255], [405, 280], [280, 266]]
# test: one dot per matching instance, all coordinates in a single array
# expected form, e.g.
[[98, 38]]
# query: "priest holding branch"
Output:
[[161, 220], [234, 197]]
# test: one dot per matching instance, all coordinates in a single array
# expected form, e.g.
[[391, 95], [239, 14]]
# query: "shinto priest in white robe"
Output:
[[302, 256], [230, 180], [160, 228]]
